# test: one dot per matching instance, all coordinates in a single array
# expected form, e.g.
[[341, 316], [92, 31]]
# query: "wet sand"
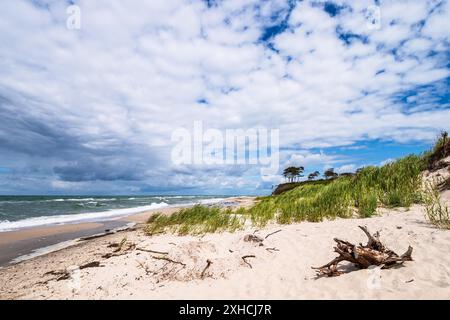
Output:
[[14, 244]]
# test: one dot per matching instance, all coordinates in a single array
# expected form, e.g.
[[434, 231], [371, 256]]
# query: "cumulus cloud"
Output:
[[96, 107], [306, 158], [346, 168]]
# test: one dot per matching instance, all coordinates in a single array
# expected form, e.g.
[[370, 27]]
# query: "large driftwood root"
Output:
[[373, 253]]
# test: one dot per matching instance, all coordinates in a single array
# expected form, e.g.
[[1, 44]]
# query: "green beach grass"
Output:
[[198, 219], [437, 213], [395, 184]]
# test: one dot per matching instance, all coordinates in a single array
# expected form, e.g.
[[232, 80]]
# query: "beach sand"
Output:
[[280, 268], [35, 241], [29, 242]]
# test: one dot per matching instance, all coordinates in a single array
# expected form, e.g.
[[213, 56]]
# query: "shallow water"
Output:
[[17, 212]]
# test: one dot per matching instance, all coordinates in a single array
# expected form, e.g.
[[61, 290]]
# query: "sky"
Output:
[[92, 110]]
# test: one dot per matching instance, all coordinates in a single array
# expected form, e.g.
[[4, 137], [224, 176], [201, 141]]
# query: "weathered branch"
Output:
[[245, 261], [208, 264], [272, 233], [253, 238], [120, 250], [373, 253], [169, 260], [65, 274], [151, 251]]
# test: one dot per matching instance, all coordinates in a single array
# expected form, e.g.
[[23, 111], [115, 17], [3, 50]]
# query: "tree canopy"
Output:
[[313, 175], [292, 173], [329, 173]]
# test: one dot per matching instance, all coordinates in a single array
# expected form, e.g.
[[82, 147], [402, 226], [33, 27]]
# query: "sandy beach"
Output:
[[212, 266], [30, 242], [225, 150]]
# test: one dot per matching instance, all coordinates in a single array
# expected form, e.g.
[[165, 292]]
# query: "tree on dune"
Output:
[[329, 173], [292, 173], [313, 175]]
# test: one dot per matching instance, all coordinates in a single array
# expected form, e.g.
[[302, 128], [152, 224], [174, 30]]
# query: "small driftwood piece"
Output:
[[151, 251], [272, 233], [363, 256], [93, 264], [121, 248], [96, 236], [253, 238], [169, 260], [65, 274], [208, 264], [246, 262], [144, 266]]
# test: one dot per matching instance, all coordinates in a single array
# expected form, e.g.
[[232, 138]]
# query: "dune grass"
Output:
[[395, 184], [195, 220], [440, 150], [436, 212]]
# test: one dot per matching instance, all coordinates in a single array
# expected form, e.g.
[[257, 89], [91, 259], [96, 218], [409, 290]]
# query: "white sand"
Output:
[[283, 274]]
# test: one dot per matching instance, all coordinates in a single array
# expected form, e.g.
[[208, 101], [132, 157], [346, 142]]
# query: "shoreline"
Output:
[[24, 242], [284, 261]]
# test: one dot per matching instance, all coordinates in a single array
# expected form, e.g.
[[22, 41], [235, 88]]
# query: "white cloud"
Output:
[[137, 70], [346, 168], [305, 158], [437, 25]]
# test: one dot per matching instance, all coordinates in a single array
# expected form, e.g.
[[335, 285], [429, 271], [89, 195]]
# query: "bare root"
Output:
[[363, 256]]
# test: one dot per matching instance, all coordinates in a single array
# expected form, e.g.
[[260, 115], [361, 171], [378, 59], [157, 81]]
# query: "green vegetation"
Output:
[[330, 174], [195, 220], [436, 212], [440, 150], [396, 184], [292, 174], [283, 187], [313, 175]]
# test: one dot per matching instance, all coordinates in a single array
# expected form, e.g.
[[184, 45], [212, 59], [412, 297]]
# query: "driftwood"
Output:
[[169, 260], [96, 236], [66, 274], [151, 251], [373, 253], [272, 233], [121, 248], [107, 233], [246, 262], [94, 264], [253, 238], [208, 264], [144, 266]]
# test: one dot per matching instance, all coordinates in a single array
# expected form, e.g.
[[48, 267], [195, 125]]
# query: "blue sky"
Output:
[[91, 111]]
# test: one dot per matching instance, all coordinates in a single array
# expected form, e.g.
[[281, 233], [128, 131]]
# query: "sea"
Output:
[[19, 212]]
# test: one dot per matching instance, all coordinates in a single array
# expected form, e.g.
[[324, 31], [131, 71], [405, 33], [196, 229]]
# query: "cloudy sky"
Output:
[[92, 110]]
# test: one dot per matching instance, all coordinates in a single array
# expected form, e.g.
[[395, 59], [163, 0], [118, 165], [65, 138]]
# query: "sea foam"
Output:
[[75, 218]]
